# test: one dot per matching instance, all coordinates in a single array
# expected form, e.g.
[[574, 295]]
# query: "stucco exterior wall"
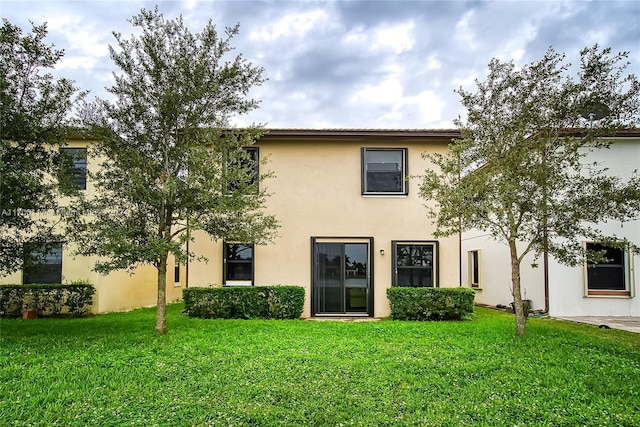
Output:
[[567, 293], [495, 287], [316, 192], [567, 285], [118, 290]]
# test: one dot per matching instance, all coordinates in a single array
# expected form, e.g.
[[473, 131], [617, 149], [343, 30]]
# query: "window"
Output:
[[247, 174], [176, 273], [44, 266], [415, 264], [384, 171], [610, 275], [474, 268], [78, 163], [238, 264]]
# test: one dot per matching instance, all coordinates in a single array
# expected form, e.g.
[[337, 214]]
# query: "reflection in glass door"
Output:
[[342, 278]]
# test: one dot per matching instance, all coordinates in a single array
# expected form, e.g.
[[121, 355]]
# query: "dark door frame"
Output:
[[314, 272]]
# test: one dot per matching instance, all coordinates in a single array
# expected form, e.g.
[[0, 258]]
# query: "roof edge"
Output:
[[360, 133]]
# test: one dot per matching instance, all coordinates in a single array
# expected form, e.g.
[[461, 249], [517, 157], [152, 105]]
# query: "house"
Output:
[[605, 289], [117, 291], [352, 225]]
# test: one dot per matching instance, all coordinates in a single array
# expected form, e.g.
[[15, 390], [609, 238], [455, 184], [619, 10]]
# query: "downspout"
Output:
[[186, 268], [545, 265], [459, 225], [545, 236], [460, 255]]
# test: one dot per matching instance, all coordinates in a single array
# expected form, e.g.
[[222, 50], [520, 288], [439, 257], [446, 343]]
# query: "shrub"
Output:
[[74, 299], [430, 303], [250, 302]]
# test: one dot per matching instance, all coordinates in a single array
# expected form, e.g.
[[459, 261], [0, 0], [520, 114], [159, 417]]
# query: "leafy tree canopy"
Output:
[[519, 170], [34, 114], [171, 163]]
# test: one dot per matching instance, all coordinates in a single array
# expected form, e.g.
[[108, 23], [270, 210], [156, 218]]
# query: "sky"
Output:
[[349, 64]]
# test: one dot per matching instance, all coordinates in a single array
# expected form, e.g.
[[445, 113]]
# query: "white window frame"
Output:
[[470, 268], [629, 282]]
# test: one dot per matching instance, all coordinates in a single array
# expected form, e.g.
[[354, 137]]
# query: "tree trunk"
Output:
[[161, 307], [521, 316]]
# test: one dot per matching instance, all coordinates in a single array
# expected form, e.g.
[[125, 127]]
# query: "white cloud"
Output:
[[396, 38], [433, 63], [189, 4], [387, 92], [429, 104], [356, 36], [297, 24], [77, 62], [399, 37], [81, 38], [463, 32], [349, 63], [390, 94], [465, 81], [515, 47]]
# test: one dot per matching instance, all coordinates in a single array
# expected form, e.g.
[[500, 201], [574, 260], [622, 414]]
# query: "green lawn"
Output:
[[113, 370]]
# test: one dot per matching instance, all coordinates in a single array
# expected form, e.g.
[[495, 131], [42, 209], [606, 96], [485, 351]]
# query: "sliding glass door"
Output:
[[341, 279]]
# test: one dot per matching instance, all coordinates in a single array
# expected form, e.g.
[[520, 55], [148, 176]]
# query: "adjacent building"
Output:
[[604, 289]]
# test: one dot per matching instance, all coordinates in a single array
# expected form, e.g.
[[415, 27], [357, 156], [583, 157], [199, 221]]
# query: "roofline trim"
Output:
[[362, 133]]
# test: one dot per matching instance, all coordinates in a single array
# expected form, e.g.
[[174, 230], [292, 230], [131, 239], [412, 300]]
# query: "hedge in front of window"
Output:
[[250, 302], [74, 299], [430, 303]]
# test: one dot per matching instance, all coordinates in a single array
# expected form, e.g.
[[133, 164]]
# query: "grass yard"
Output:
[[113, 370]]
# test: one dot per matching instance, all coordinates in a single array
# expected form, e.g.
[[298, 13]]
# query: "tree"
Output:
[[519, 170], [172, 163], [34, 114]]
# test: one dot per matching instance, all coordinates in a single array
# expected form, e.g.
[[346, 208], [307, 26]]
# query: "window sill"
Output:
[[231, 284], [476, 288], [177, 284], [619, 294], [380, 196]]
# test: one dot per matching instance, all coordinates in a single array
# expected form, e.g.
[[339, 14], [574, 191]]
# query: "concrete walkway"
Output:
[[626, 323]]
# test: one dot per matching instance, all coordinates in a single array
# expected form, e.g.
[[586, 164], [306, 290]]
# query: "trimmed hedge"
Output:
[[247, 302], [73, 299], [430, 303]]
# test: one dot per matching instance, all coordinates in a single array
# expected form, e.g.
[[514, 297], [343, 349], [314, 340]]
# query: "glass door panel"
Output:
[[355, 278], [342, 278], [329, 280]]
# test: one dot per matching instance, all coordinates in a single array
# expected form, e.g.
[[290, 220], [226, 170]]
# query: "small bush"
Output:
[[73, 299], [250, 302], [430, 303]]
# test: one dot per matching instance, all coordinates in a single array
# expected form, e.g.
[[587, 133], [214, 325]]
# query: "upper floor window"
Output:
[[78, 165], [384, 171], [609, 276], [246, 173], [43, 266], [415, 264]]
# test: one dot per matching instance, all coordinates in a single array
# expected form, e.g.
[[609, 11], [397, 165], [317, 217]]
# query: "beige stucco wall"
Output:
[[316, 191], [116, 291]]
